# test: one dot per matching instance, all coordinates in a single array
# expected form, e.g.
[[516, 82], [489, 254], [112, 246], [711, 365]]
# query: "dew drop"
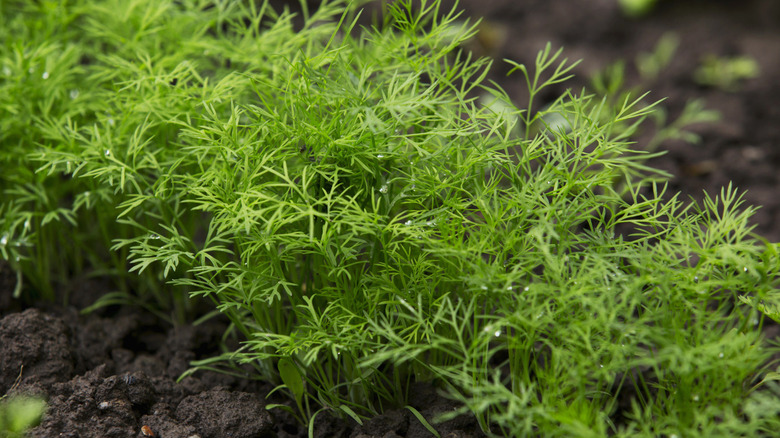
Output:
[[27, 224], [408, 223], [74, 93], [483, 287], [696, 278], [154, 236], [4, 239], [107, 152], [380, 156], [695, 398], [45, 75], [745, 269], [6, 70], [111, 121], [509, 288], [31, 70], [526, 288], [497, 333], [720, 355], [383, 189]]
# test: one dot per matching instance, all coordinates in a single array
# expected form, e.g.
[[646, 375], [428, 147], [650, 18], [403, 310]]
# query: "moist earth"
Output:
[[112, 372]]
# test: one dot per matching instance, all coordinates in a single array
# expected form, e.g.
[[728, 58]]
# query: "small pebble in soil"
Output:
[[147, 431]]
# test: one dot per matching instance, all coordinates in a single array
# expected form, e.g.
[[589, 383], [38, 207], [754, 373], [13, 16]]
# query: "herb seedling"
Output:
[[365, 222]]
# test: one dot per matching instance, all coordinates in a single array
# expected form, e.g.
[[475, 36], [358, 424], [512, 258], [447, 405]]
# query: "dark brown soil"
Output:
[[109, 374]]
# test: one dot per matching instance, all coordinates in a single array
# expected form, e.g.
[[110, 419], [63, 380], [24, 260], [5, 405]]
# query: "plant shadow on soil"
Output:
[[110, 373]]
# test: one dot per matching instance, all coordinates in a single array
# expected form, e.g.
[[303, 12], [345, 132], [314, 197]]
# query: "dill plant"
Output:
[[342, 196]]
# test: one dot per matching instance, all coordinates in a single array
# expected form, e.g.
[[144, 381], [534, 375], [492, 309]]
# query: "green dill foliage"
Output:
[[366, 221], [610, 84]]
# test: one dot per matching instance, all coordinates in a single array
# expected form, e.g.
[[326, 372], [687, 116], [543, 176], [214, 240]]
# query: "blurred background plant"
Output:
[[611, 84], [636, 8], [18, 414], [726, 73]]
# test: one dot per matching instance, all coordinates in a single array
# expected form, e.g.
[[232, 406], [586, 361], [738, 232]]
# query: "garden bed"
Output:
[[114, 371]]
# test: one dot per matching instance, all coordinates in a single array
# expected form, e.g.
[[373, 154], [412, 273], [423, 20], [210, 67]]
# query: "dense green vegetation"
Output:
[[370, 212]]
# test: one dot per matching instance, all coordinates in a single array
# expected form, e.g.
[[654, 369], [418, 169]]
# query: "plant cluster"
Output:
[[342, 196]]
